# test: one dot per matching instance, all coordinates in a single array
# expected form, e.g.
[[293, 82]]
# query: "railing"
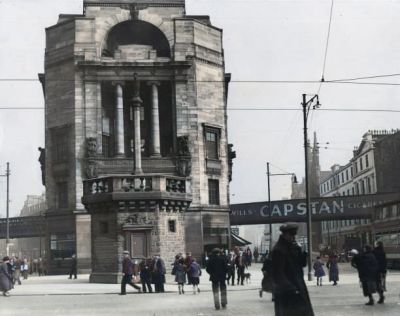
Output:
[[136, 183]]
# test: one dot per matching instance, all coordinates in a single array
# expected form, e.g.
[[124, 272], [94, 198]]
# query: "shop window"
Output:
[[62, 246]]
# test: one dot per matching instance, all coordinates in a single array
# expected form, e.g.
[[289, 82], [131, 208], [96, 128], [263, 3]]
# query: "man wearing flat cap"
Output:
[[127, 270], [290, 291]]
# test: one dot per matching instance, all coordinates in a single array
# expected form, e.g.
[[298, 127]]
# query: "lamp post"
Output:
[[306, 109], [269, 198], [7, 208]]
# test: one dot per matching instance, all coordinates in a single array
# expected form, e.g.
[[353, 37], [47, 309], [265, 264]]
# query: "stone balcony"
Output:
[[139, 192]]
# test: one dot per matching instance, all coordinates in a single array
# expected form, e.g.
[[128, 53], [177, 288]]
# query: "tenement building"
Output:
[[373, 169], [137, 155]]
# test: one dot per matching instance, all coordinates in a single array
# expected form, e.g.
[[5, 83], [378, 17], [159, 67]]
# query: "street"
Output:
[[56, 295]]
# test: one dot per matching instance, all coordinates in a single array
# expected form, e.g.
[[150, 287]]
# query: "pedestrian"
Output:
[[266, 282], [231, 267], [73, 268], [194, 274], [380, 256], [127, 270], [25, 268], [290, 291], [240, 264], [179, 271], [40, 267], [6, 280], [255, 254], [17, 271], [319, 272], [217, 269], [145, 275], [367, 267], [158, 274], [333, 269]]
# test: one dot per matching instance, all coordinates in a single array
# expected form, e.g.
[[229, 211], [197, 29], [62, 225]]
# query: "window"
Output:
[[347, 174], [62, 195], [172, 226], [62, 246], [361, 164], [342, 177], [106, 146], [60, 148], [366, 161], [212, 143], [213, 192]]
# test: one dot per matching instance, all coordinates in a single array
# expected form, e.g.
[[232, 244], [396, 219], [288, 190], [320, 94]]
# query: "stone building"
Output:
[[374, 168], [137, 155]]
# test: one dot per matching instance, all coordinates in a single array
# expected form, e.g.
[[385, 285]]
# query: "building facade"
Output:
[[137, 155], [374, 158]]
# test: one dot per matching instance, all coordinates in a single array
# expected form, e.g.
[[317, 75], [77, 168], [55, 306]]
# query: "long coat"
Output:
[[217, 268], [319, 269], [290, 290], [6, 283], [367, 267], [333, 268]]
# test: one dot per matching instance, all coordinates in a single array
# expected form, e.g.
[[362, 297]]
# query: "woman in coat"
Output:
[[6, 280], [333, 268], [319, 272]]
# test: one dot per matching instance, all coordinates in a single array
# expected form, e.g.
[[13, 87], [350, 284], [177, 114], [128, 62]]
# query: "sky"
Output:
[[264, 41]]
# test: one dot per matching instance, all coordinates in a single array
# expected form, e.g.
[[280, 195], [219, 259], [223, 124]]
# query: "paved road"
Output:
[[56, 295]]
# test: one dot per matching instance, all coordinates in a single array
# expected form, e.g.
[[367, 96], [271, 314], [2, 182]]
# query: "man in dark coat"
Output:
[[127, 270], [367, 267], [290, 291], [217, 268], [380, 256], [158, 275], [73, 270]]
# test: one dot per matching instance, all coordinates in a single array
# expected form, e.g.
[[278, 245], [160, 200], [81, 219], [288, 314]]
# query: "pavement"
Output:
[[57, 295]]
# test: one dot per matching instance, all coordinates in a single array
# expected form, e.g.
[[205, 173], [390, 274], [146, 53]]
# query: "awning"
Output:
[[238, 241]]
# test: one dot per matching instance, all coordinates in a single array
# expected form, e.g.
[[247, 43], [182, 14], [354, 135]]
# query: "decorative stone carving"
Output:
[[231, 156], [42, 161], [91, 164], [184, 160], [91, 147], [139, 219]]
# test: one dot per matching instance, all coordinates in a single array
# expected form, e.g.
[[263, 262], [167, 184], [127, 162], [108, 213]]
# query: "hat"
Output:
[[126, 252], [6, 258], [216, 251], [289, 228], [354, 251]]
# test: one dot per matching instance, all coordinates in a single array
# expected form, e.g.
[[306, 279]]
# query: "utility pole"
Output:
[[7, 175], [306, 108], [269, 210]]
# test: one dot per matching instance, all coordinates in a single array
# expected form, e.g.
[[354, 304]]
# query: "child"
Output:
[[180, 275], [319, 270], [194, 273]]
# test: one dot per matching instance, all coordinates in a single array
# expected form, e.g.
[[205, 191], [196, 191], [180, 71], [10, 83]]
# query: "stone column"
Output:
[[119, 114], [155, 121], [137, 103]]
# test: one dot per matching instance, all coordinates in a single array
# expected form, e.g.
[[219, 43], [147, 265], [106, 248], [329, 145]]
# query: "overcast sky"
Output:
[[263, 41]]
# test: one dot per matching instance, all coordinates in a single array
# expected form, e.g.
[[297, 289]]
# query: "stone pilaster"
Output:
[[155, 121], [137, 103], [119, 111]]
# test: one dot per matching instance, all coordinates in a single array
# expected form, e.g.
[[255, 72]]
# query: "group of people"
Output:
[[147, 272], [186, 266], [332, 266], [372, 267], [238, 261], [11, 271]]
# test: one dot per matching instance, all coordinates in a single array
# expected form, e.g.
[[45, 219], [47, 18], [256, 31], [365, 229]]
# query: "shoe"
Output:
[[122, 294], [381, 300], [217, 307], [370, 303], [6, 294], [223, 306]]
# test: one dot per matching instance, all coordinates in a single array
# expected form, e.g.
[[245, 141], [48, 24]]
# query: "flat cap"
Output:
[[289, 228], [126, 252]]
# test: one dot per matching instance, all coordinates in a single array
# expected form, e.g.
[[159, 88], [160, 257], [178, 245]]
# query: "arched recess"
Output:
[[136, 32]]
